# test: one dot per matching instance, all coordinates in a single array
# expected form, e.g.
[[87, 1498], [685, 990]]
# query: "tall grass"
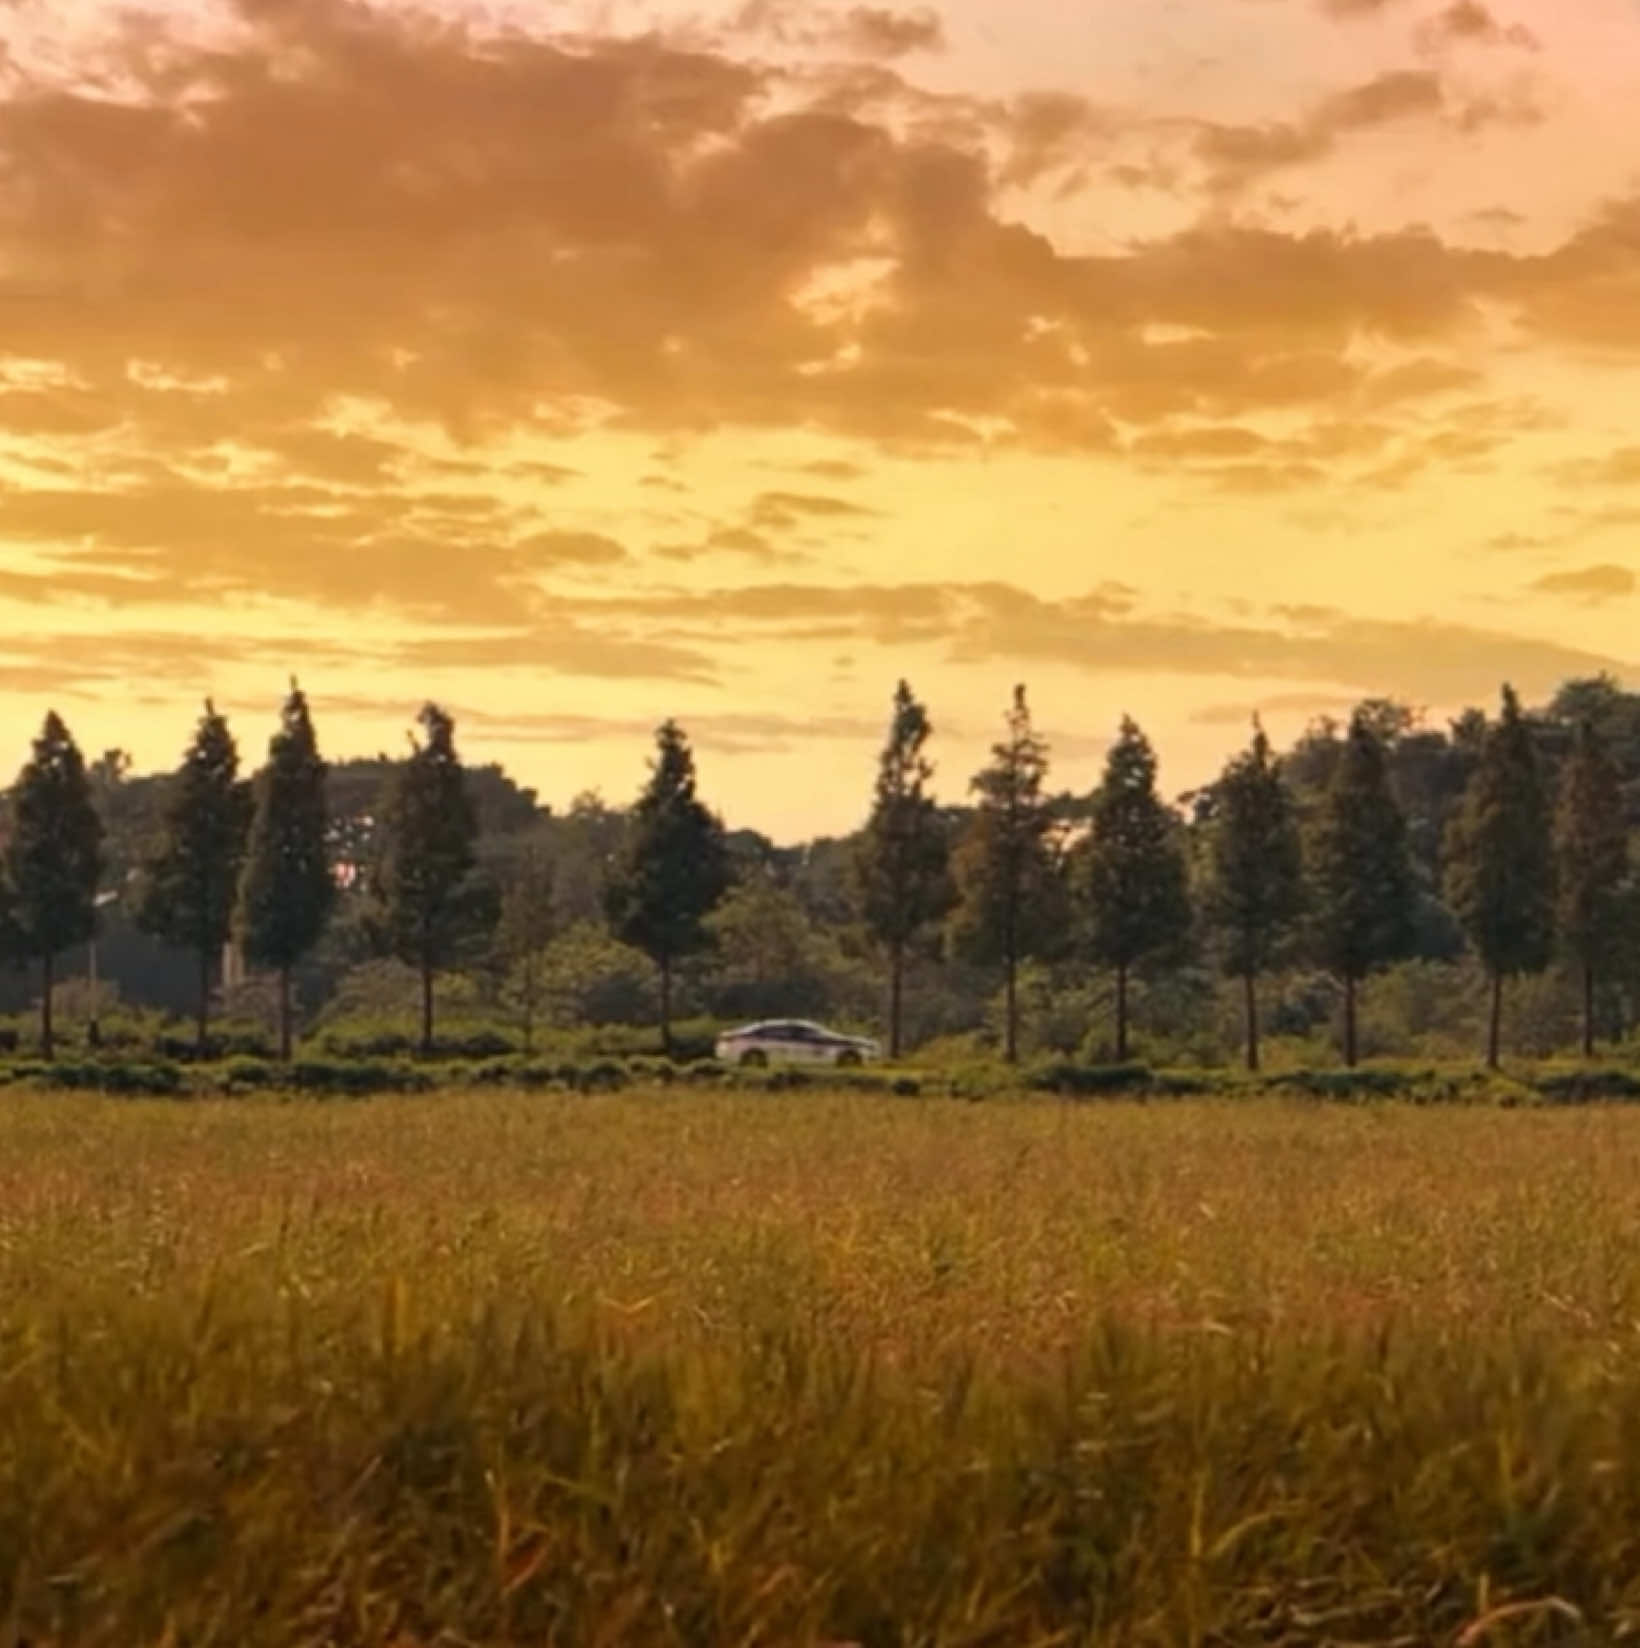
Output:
[[703, 1368]]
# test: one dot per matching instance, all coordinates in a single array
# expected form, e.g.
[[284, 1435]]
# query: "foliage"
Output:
[[191, 878], [1591, 866], [902, 857], [432, 908], [286, 890], [1362, 888], [1499, 877], [1130, 871], [771, 960], [528, 921], [52, 860], [1255, 888], [673, 867], [1010, 897]]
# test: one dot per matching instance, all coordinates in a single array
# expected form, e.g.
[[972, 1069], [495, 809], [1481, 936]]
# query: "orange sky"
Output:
[[581, 364]]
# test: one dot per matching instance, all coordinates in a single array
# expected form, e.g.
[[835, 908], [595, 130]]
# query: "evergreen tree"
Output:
[[526, 928], [53, 861], [1131, 872], [902, 858], [1011, 901], [1591, 866], [1499, 855], [1363, 890], [286, 890], [1499, 872], [1255, 888], [672, 869], [429, 902], [191, 880]]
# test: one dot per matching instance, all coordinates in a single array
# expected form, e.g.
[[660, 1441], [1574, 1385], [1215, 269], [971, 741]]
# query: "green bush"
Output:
[[1580, 1086], [1062, 1076], [157, 1077], [359, 1077]]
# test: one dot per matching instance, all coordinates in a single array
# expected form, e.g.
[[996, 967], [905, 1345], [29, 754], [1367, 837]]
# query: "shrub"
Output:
[[1061, 1076], [1579, 1086], [359, 1077]]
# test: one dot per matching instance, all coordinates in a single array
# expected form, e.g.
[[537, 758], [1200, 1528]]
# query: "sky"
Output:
[[579, 365]]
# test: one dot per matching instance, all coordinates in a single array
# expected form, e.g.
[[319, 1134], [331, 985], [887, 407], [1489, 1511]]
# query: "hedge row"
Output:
[[363, 1076]]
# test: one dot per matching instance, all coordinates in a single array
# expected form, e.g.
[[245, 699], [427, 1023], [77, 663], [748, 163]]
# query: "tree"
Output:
[[286, 890], [1499, 873], [671, 870], [429, 903], [1363, 890], [1255, 888], [53, 861], [1131, 873], [526, 927], [1010, 895], [902, 859], [1591, 866], [191, 880]]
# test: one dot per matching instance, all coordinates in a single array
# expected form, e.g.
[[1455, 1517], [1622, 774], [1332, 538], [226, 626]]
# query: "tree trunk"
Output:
[[284, 1015], [1011, 1034], [896, 979], [666, 1006], [1349, 1021], [93, 1032], [1495, 1023], [1588, 1011], [1121, 1013], [203, 1030], [47, 982], [427, 1009], [529, 1002], [1250, 1002]]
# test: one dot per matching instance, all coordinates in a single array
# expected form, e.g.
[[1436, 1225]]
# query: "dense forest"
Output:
[[1382, 887]]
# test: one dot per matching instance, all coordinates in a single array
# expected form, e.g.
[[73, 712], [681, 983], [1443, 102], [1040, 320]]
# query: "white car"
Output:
[[793, 1041]]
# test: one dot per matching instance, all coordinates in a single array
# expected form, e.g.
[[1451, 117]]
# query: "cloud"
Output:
[[562, 548], [1467, 22], [777, 510], [629, 230], [879, 32], [865, 31], [1620, 468], [1592, 584]]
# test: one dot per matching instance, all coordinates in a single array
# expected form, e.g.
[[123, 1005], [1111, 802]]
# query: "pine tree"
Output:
[[1499, 872], [1591, 866], [527, 926], [53, 861], [1363, 893], [286, 891], [430, 904], [902, 858], [1130, 871], [1255, 888], [672, 869], [1011, 902], [191, 881]]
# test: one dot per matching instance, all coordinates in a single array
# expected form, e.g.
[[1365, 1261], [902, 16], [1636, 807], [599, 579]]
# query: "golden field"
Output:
[[674, 1367]]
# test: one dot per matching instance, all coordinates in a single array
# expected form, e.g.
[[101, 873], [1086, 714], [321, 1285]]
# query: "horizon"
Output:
[[732, 361]]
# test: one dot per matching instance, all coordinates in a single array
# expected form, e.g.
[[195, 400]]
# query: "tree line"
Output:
[[1532, 865]]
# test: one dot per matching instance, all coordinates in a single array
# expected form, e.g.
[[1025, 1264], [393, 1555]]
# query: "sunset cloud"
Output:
[[660, 358]]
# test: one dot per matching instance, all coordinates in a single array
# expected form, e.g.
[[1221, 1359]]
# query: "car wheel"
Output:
[[848, 1061], [754, 1059]]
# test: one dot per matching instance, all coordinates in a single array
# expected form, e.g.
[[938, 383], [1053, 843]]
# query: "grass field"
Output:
[[781, 1369]]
